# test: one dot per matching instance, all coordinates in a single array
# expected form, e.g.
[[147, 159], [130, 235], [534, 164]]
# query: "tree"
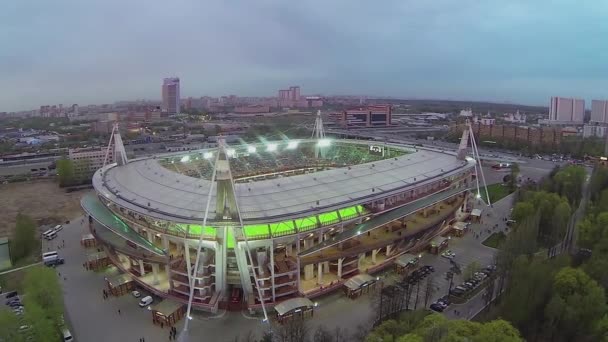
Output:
[[561, 216], [65, 172], [436, 327], [296, 330], [530, 288], [513, 176], [498, 331], [569, 182], [43, 327], [470, 270], [25, 240], [9, 325], [522, 210], [322, 334], [42, 290], [577, 305]]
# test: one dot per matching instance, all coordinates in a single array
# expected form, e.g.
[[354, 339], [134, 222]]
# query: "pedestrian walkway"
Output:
[[20, 268]]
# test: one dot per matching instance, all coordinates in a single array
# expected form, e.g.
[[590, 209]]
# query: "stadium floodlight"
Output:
[[271, 147], [324, 142], [207, 155], [185, 159], [292, 145], [251, 149], [230, 152]]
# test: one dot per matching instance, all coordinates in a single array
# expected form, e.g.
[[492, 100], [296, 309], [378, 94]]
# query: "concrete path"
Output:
[[20, 268]]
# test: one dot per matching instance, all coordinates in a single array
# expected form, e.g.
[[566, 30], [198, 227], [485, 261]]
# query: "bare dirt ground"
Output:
[[42, 200]]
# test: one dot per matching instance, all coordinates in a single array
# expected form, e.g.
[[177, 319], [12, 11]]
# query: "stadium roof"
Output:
[[144, 186]]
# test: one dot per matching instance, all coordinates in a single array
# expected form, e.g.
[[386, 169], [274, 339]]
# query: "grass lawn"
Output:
[[494, 240], [13, 281], [497, 191]]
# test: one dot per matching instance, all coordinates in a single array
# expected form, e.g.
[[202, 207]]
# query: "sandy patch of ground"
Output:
[[42, 200]]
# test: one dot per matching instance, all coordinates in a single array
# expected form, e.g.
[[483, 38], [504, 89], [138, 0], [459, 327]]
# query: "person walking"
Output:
[[119, 312]]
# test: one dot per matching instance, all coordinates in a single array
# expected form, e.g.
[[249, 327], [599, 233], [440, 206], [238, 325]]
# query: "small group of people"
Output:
[[173, 334], [105, 294]]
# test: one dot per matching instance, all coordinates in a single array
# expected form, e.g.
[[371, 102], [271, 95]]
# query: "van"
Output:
[[49, 256], [49, 234], [58, 228], [147, 300], [67, 335]]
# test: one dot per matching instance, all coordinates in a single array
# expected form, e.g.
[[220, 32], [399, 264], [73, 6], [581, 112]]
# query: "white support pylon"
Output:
[[192, 275], [119, 153], [318, 133], [475, 151]]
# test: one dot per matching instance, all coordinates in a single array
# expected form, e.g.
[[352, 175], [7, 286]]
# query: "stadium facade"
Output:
[[300, 217]]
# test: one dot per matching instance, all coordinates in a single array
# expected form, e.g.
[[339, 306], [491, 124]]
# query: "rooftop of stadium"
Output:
[[347, 175]]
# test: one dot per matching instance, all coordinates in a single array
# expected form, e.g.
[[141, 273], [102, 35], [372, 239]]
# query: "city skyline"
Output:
[[493, 51]]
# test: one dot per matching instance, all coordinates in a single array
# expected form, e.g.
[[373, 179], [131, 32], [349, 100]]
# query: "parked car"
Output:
[[147, 300], [13, 300], [15, 305], [54, 262], [136, 294], [457, 291], [445, 300], [67, 335], [11, 294], [461, 288], [448, 254], [437, 307]]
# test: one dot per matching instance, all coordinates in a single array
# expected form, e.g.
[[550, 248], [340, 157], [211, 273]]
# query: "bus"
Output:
[[49, 234]]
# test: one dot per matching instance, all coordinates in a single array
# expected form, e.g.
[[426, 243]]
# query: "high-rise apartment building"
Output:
[[599, 111], [566, 110], [170, 92], [294, 93]]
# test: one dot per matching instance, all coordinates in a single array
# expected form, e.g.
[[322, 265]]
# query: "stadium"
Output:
[[275, 220]]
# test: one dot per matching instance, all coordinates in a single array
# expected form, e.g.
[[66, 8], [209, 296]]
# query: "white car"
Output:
[[448, 254], [136, 294]]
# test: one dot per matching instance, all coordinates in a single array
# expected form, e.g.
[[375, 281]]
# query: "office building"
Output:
[[379, 115], [170, 93], [566, 110]]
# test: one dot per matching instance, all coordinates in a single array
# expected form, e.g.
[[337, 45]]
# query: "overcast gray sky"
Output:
[[100, 51]]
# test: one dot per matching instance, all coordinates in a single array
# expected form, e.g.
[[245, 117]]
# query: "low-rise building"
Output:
[[515, 118], [88, 160]]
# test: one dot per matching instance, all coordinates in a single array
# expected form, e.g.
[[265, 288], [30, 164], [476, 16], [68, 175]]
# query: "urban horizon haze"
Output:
[[104, 51]]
